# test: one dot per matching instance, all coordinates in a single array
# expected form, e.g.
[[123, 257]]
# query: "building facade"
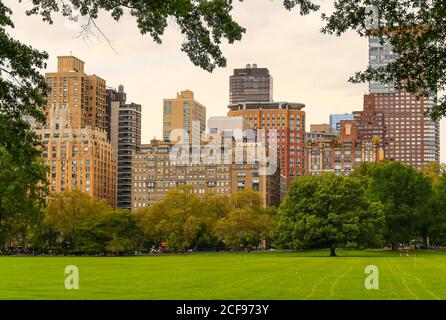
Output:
[[113, 96], [124, 130], [74, 142], [320, 128], [405, 133], [154, 175], [397, 117], [79, 159], [341, 156], [284, 125], [251, 84], [183, 114], [335, 120], [83, 94]]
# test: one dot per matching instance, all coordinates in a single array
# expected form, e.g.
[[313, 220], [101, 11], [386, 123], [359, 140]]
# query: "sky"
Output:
[[307, 66]]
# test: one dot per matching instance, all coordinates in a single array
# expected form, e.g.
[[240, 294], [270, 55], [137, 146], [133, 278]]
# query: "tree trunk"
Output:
[[395, 246], [333, 251]]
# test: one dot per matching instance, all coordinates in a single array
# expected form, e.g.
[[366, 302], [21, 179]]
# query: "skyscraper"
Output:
[[124, 131], [74, 142], [251, 84], [397, 117], [180, 114]]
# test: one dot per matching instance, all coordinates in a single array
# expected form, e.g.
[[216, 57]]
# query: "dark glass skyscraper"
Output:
[[251, 84]]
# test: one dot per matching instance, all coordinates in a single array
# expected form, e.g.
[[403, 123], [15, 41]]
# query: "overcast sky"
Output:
[[307, 67]]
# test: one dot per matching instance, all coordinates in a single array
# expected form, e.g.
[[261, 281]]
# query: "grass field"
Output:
[[302, 275]]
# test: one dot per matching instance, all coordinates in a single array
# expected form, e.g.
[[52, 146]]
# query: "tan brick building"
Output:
[[80, 159], [154, 175], [181, 113], [74, 142]]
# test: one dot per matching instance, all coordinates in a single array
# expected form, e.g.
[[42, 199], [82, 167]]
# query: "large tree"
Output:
[[67, 213], [22, 95], [113, 231], [328, 211], [20, 198], [405, 194], [247, 223], [437, 228], [177, 219]]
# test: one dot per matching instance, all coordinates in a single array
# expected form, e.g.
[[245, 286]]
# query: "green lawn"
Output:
[[303, 275]]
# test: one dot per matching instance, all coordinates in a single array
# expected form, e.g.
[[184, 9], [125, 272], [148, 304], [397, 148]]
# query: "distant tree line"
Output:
[[378, 204], [75, 223]]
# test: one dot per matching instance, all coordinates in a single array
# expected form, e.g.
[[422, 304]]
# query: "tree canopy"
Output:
[[405, 194], [328, 211], [416, 29], [185, 221]]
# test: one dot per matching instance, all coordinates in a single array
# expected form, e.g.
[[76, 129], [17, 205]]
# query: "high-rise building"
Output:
[[335, 120], [155, 174], [74, 142], [397, 117], [341, 156], [124, 130], [79, 159], [251, 84], [116, 96], [283, 124], [83, 94], [183, 115]]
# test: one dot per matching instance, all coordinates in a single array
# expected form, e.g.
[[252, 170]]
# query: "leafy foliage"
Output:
[[328, 211], [110, 231], [203, 23], [69, 211], [404, 192], [434, 225], [247, 223], [176, 219], [186, 221], [22, 173], [20, 197], [416, 30]]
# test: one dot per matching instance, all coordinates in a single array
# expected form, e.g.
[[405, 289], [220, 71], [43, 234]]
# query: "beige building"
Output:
[[74, 142], [80, 158], [183, 113], [154, 175], [83, 94], [227, 126], [320, 128]]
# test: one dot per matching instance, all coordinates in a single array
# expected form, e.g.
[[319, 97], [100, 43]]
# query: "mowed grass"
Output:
[[297, 275]]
